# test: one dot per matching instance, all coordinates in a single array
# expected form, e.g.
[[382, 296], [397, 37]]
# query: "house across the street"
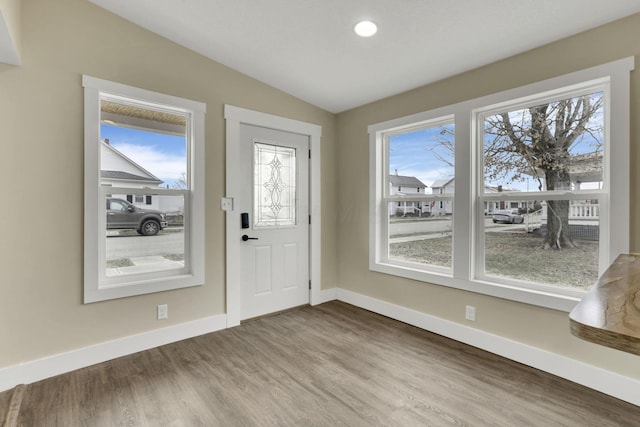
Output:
[[118, 170], [401, 185]]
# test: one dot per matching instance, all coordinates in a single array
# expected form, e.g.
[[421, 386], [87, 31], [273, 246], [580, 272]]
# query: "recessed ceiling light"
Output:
[[365, 28]]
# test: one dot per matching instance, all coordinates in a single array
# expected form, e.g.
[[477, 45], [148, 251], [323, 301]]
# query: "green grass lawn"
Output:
[[515, 255], [121, 262]]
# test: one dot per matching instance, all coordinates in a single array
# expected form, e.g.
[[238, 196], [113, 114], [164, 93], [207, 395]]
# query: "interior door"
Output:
[[275, 202]]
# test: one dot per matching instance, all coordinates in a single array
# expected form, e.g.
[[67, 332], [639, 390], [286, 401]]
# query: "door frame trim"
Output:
[[234, 117]]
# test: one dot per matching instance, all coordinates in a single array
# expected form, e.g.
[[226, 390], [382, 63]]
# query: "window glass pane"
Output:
[[141, 239], [517, 240], [274, 185], [425, 240], [141, 147], [556, 145], [421, 161]]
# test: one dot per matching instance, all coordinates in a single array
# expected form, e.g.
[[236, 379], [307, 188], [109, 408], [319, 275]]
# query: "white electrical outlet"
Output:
[[470, 313], [163, 311]]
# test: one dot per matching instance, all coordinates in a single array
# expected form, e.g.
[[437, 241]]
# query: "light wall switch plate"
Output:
[[226, 204]]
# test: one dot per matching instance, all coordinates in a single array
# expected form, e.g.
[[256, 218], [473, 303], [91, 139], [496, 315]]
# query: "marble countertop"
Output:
[[609, 314]]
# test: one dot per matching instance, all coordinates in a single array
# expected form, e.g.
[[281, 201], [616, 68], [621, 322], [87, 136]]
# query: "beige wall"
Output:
[[41, 170], [539, 327]]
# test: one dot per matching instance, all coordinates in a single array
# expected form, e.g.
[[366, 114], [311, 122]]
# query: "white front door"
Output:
[[274, 247]]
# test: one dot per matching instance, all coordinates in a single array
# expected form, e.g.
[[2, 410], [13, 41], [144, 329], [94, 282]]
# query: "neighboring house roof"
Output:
[[406, 181], [487, 188], [118, 166], [127, 176], [441, 183]]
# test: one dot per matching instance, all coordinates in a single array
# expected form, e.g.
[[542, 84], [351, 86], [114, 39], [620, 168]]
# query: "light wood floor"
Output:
[[330, 365]]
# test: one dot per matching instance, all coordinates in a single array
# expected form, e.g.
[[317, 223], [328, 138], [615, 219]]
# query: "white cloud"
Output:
[[163, 165]]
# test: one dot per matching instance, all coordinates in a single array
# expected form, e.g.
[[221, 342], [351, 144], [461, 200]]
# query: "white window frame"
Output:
[[388, 197], [97, 287], [468, 197]]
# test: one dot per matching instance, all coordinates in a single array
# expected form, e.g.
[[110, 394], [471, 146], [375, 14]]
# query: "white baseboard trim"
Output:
[[10, 377], [611, 383], [46, 367], [327, 295]]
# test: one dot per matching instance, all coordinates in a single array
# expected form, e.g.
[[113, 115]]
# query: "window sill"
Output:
[[141, 287], [547, 299]]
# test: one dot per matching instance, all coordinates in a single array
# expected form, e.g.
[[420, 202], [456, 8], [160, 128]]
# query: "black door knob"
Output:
[[245, 238]]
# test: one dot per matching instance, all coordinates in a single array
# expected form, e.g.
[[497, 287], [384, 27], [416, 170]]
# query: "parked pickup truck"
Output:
[[122, 215]]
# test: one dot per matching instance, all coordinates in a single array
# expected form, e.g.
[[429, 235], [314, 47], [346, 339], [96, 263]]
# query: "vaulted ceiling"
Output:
[[308, 48]]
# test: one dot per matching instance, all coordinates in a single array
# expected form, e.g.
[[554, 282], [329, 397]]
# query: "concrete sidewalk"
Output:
[[419, 237], [145, 264]]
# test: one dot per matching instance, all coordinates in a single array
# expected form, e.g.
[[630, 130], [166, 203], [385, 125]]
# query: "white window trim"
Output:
[[464, 271], [96, 288]]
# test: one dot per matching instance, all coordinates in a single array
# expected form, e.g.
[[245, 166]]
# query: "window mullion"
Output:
[[463, 210]]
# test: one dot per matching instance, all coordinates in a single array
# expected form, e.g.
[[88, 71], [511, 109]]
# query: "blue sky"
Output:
[[412, 154], [163, 155], [416, 154]]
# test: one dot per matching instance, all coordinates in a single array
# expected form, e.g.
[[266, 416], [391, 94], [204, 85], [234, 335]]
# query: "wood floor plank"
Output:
[[10, 405], [328, 365], [5, 401]]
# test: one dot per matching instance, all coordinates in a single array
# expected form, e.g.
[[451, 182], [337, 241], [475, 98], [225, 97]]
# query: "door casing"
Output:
[[235, 116]]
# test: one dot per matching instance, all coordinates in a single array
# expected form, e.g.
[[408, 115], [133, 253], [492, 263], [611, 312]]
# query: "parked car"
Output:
[[122, 215], [509, 216]]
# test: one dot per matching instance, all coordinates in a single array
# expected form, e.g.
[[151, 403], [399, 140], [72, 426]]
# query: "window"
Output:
[[419, 236], [538, 176], [143, 165], [542, 159], [274, 186]]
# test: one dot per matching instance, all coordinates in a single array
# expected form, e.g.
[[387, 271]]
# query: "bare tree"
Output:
[[181, 182], [443, 147], [537, 142]]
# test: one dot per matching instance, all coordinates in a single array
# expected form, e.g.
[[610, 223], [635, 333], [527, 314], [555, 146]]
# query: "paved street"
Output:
[[130, 244], [432, 225], [407, 231], [427, 226]]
